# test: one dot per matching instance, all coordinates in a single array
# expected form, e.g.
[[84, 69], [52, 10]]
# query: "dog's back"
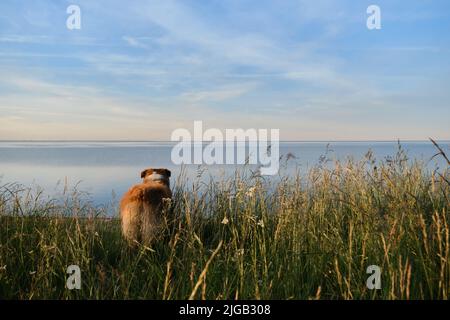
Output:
[[141, 207]]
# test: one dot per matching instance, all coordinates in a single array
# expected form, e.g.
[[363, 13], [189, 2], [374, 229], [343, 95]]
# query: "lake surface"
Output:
[[106, 168]]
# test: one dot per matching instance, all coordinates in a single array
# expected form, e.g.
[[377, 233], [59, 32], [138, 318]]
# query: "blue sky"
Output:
[[137, 70]]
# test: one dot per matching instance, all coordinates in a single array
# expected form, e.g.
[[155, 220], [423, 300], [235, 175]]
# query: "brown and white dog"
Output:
[[141, 206]]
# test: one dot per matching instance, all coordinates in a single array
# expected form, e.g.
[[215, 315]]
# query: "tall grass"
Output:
[[304, 237]]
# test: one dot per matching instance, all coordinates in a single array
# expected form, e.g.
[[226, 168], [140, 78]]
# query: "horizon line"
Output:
[[162, 141]]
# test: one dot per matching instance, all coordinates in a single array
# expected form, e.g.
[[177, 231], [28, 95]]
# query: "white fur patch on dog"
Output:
[[156, 176]]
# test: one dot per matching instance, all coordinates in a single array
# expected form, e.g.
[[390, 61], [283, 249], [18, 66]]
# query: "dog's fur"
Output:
[[141, 206]]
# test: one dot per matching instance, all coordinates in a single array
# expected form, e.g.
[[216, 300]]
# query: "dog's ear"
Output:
[[144, 173], [167, 172]]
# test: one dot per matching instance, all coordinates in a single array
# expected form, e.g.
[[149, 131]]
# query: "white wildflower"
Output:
[[261, 223], [251, 192]]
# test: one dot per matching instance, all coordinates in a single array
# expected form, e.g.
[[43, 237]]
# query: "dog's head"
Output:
[[152, 174]]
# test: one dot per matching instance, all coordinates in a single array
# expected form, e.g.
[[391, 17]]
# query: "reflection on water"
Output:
[[102, 168]]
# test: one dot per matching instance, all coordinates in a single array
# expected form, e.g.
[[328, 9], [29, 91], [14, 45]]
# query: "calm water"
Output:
[[105, 168]]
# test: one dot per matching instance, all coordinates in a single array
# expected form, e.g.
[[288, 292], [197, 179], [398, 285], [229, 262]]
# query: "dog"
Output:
[[141, 208]]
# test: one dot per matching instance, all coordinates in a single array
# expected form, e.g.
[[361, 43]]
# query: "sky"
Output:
[[137, 70]]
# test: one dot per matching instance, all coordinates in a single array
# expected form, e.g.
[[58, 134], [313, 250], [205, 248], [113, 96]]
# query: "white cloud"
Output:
[[219, 94], [133, 42], [15, 38]]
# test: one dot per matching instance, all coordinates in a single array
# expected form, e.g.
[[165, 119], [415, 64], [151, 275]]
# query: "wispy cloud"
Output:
[[25, 38], [133, 42], [218, 94]]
